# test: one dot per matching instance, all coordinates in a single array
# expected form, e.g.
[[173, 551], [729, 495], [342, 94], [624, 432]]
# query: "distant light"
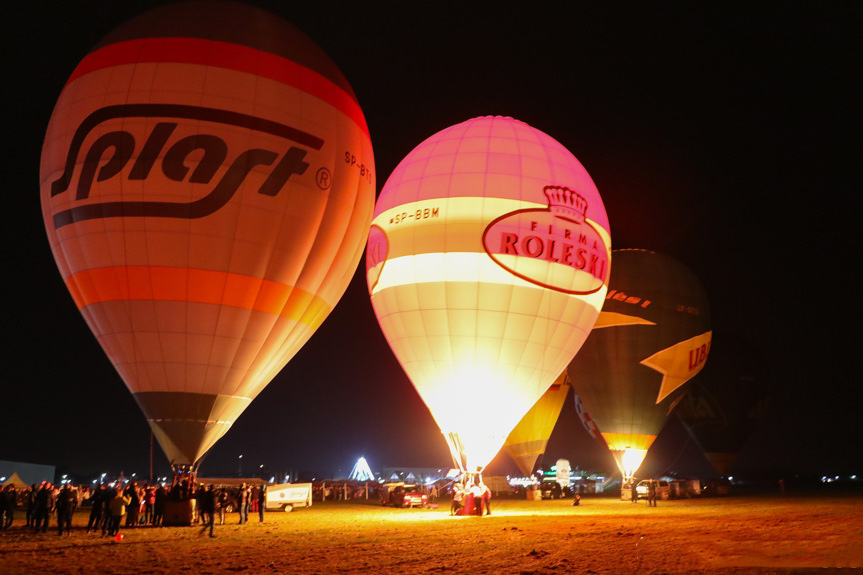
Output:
[[853, 477], [361, 471], [730, 478], [3, 478]]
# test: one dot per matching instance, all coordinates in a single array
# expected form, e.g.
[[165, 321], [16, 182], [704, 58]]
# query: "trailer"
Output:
[[498, 485], [685, 488], [286, 496]]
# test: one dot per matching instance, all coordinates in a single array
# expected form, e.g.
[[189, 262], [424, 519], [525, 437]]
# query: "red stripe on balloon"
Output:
[[223, 55], [161, 283]]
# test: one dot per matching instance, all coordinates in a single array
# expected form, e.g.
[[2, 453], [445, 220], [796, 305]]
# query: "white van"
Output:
[[286, 496]]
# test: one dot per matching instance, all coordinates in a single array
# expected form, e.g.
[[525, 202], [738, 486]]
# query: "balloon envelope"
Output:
[[587, 422], [207, 184], [726, 402], [487, 265], [528, 440], [652, 336]]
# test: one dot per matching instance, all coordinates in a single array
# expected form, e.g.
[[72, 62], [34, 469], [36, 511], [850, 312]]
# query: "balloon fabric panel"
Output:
[[528, 440]]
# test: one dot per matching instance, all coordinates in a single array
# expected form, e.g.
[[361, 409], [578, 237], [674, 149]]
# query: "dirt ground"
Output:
[[792, 534]]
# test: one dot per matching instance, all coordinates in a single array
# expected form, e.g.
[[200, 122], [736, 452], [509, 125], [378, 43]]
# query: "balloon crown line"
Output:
[[565, 201]]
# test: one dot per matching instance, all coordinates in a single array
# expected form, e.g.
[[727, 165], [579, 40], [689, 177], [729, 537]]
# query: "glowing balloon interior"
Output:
[[487, 264], [207, 184], [652, 336]]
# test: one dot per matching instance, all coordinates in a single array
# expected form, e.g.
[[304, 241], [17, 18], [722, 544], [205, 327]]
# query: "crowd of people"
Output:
[[40, 502], [470, 496], [126, 505]]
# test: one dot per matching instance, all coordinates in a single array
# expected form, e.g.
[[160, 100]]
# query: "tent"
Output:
[[16, 481]]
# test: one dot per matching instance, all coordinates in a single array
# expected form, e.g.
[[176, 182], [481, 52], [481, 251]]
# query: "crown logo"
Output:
[[565, 203]]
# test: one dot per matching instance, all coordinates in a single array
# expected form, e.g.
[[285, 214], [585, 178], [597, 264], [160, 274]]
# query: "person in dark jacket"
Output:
[[67, 501], [30, 503], [262, 502], [159, 505], [4, 503], [43, 506], [98, 508], [207, 501], [651, 493], [134, 504]]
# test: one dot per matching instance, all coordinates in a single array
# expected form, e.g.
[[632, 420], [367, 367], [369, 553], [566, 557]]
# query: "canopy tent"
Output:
[[16, 481]]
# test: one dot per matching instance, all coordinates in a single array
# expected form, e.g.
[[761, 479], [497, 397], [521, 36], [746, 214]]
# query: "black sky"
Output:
[[723, 134]]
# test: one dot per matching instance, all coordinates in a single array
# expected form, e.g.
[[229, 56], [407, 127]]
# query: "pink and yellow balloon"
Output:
[[487, 265]]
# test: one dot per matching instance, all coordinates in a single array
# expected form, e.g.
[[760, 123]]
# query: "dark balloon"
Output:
[[726, 401], [652, 336]]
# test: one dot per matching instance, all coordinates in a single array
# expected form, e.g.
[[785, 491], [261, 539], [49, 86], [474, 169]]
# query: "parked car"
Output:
[[406, 496], [663, 490], [551, 490]]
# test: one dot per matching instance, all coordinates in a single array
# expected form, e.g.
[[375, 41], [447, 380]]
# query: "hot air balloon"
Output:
[[207, 185], [487, 264], [528, 440], [652, 336], [726, 402]]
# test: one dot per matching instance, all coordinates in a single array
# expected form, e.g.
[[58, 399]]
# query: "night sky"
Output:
[[722, 134]]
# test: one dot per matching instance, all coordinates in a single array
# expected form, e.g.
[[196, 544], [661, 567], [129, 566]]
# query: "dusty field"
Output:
[[728, 535]]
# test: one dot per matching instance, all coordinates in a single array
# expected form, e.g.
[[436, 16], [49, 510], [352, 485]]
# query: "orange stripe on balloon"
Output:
[[223, 55], [140, 283]]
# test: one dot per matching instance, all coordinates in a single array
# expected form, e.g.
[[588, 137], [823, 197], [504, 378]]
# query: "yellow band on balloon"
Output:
[[159, 283], [620, 441]]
